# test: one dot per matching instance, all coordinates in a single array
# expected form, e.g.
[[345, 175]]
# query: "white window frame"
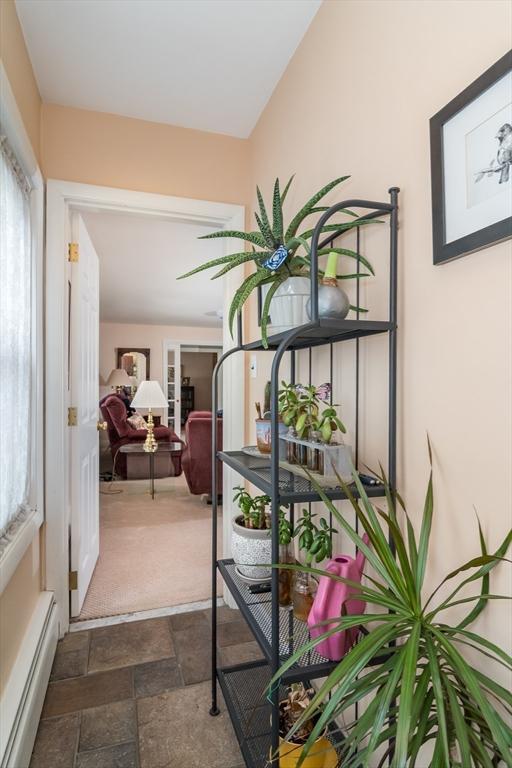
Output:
[[11, 125]]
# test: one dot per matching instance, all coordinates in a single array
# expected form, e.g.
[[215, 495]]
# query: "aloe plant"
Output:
[[422, 689], [271, 239]]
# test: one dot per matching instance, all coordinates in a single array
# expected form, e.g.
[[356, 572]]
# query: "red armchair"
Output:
[[197, 455], [120, 432]]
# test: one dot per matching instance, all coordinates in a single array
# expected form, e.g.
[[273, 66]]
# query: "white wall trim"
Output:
[[23, 696], [61, 197], [16, 548]]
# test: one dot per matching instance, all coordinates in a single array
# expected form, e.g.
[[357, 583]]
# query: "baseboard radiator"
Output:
[[22, 699]]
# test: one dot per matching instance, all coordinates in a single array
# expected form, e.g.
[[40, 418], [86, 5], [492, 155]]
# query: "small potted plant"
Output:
[[281, 256], [250, 540], [291, 711], [264, 426], [316, 543]]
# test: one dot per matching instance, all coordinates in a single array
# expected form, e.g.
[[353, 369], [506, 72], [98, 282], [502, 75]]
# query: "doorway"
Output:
[[63, 199], [188, 369]]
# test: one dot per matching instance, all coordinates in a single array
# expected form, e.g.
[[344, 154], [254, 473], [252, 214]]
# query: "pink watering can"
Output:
[[333, 599]]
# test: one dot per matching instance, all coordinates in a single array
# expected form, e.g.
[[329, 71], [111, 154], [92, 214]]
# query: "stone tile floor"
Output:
[[137, 695]]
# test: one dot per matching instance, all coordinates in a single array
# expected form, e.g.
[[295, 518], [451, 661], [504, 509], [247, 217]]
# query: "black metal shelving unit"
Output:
[[253, 710]]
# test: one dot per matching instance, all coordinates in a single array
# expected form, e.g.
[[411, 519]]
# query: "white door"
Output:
[[84, 392], [172, 363]]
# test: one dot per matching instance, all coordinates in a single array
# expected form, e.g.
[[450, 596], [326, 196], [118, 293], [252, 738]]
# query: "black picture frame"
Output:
[[482, 238]]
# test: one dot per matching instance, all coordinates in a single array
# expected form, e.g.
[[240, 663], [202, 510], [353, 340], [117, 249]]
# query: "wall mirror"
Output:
[[135, 362]]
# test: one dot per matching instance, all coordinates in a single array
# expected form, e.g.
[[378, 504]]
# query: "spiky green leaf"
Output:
[[250, 237], [277, 213], [304, 211]]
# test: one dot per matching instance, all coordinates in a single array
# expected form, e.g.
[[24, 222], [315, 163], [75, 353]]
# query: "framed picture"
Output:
[[471, 163]]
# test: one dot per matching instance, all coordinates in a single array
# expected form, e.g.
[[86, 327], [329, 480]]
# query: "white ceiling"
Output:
[[141, 257], [206, 64]]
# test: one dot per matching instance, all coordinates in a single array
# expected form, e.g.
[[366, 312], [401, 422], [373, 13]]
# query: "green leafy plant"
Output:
[[315, 541], [329, 423], [288, 401], [420, 688], [245, 503], [285, 529], [268, 238]]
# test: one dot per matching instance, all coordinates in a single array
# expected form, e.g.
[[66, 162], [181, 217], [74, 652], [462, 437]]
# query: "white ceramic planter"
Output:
[[250, 546], [288, 305]]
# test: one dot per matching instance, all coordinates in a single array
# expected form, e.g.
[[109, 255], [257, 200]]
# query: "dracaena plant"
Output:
[[279, 252], [423, 689]]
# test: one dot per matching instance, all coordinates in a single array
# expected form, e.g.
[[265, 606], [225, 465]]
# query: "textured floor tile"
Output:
[[78, 693], [75, 641], [56, 743], [157, 677], [181, 621], [224, 614], [69, 663], [131, 643], [233, 633], [176, 731], [120, 756], [239, 654], [108, 725], [193, 651]]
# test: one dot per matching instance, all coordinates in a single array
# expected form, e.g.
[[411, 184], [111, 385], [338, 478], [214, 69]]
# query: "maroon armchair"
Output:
[[120, 432], [197, 455]]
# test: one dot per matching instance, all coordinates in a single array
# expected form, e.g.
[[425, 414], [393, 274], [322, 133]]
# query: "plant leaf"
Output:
[[304, 211], [406, 697], [243, 293], [251, 237], [287, 187], [222, 260], [277, 214], [242, 259]]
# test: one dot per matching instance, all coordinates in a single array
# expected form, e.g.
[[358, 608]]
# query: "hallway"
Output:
[[136, 695]]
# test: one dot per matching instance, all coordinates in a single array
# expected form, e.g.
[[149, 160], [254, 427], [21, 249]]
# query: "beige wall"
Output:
[[357, 98], [199, 367], [14, 56], [19, 598], [108, 150], [114, 335]]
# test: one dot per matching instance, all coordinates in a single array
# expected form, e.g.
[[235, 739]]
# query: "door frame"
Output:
[[177, 341], [61, 198]]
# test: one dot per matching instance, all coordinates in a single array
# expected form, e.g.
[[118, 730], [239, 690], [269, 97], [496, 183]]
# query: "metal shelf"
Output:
[[293, 633], [325, 332], [292, 488], [244, 688], [274, 628]]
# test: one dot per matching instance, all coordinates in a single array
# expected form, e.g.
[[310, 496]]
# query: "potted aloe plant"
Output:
[[280, 254], [421, 689]]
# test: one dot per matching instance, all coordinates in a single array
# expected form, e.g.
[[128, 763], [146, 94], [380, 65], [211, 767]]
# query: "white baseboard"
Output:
[[23, 696]]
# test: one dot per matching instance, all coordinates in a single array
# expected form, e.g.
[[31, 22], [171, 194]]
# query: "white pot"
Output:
[[250, 546], [288, 305]]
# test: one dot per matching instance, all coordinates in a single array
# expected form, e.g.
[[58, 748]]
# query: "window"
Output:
[[17, 347]]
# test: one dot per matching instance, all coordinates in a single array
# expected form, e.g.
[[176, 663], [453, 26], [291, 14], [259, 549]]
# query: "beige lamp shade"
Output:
[[118, 378], [149, 395]]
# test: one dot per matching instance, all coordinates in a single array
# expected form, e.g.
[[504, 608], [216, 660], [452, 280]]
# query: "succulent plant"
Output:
[[279, 253]]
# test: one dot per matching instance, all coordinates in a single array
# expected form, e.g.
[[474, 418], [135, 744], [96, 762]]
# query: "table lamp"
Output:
[[118, 379], [149, 395]]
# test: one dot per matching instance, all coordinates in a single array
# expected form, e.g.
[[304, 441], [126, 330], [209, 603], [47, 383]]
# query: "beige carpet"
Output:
[[153, 553]]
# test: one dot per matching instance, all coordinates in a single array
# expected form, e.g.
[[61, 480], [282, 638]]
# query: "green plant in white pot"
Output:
[[421, 692], [280, 254]]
